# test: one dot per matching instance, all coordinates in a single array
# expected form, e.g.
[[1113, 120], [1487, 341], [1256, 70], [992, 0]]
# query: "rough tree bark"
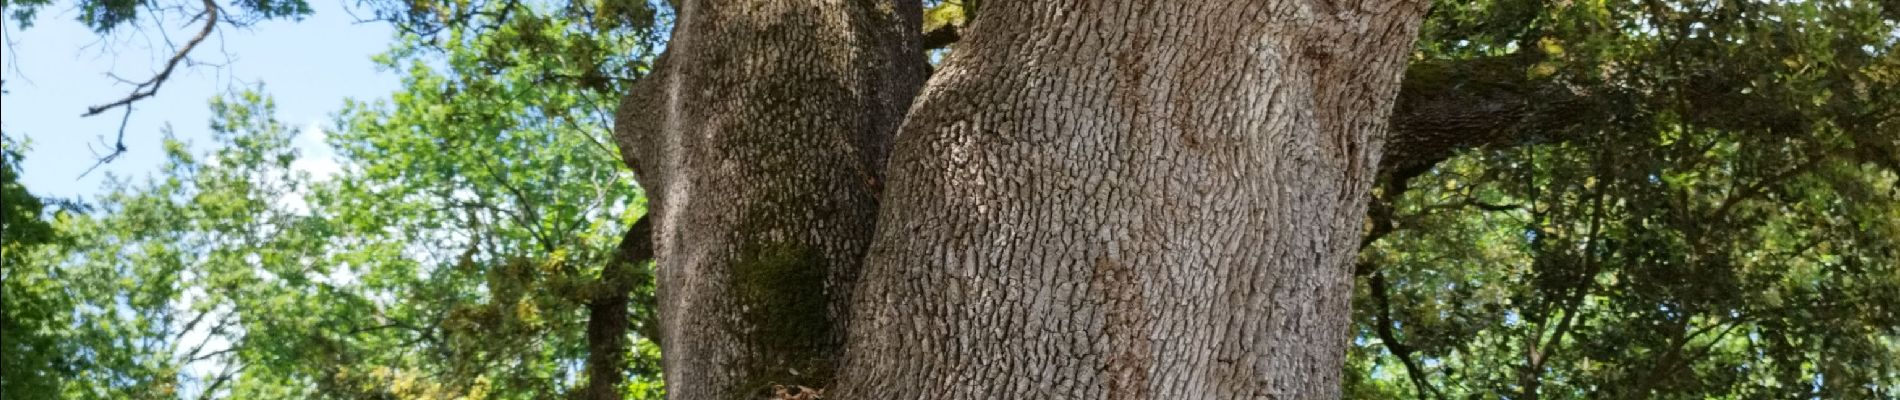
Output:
[[1131, 200], [1108, 199], [759, 138]]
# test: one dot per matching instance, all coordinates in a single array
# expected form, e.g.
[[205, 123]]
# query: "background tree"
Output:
[[431, 266], [34, 324], [1713, 219]]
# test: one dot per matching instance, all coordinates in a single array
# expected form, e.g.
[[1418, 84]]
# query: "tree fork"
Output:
[[1431, 124]]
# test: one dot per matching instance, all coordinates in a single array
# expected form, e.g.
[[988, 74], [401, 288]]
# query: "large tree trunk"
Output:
[[1131, 200], [759, 139]]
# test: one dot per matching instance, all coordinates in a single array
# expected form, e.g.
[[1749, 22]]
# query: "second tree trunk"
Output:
[[1130, 200]]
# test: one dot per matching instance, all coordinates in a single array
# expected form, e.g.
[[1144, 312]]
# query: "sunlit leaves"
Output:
[[35, 320], [1726, 232], [492, 172]]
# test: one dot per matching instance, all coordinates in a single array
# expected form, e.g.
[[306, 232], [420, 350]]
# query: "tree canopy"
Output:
[[1705, 208], [1622, 199]]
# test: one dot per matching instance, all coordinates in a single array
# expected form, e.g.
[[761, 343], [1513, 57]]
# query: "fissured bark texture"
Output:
[[1130, 200], [759, 138]]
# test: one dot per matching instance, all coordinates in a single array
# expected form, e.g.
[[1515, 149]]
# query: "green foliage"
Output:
[[23, 11], [506, 180], [34, 323], [946, 13], [1728, 231], [177, 273], [452, 256], [106, 16], [506, 183], [586, 45]]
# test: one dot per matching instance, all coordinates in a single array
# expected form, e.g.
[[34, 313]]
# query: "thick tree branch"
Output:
[[1383, 301], [608, 321], [1444, 108], [941, 37], [1448, 106]]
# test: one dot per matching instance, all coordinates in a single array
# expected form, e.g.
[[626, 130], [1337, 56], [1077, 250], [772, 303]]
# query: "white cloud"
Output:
[[314, 158], [315, 155]]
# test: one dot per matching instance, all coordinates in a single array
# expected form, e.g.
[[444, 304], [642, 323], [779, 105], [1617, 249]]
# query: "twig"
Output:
[[230, 370], [150, 86], [118, 148], [1573, 304], [1756, 189]]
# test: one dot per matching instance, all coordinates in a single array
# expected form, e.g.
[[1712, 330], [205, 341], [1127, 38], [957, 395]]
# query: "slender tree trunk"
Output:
[[759, 139], [1131, 199], [608, 319]]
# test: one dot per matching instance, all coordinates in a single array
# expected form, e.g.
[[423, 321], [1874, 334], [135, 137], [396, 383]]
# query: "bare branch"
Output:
[[118, 147], [1390, 339], [207, 356], [230, 370], [150, 86]]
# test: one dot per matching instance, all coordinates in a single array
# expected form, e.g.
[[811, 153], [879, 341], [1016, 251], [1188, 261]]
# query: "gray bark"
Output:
[[1130, 200], [1110, 200], [758, 138]]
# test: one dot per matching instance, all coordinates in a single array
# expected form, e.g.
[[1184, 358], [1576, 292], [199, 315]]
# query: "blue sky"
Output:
[[57, 68]]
